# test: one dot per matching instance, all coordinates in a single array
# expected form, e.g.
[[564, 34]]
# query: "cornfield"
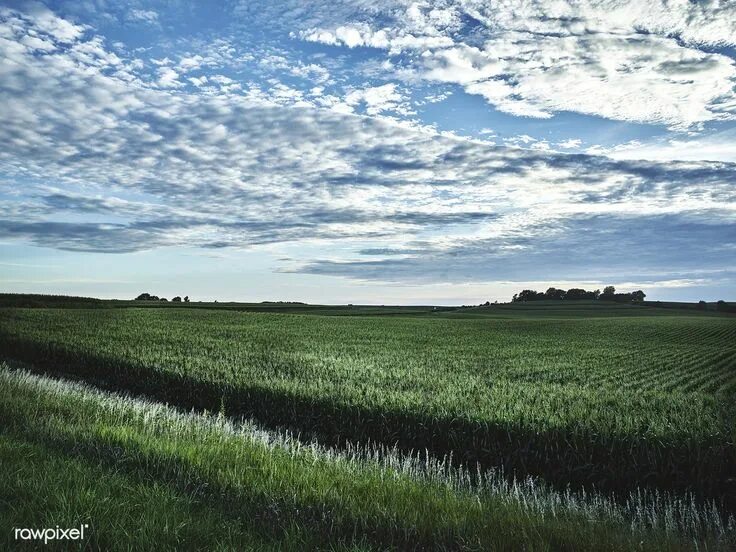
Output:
[[617, 407]]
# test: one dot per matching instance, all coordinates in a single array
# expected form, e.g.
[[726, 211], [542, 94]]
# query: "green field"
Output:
[[619, 402]]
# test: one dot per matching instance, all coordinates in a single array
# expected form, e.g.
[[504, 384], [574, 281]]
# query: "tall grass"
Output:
[[259, 488]]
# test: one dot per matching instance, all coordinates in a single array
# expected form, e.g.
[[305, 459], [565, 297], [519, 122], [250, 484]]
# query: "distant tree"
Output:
[[186, 298], [576, 293], [146, 297], [633, 297], [573, 294], [554, 293], [163, 299], [721, 305], [702, 305], [176, 299], [638, 296], [529, 295]]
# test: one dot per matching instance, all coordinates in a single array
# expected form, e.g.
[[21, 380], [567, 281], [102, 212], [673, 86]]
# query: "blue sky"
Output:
[[368, 152]]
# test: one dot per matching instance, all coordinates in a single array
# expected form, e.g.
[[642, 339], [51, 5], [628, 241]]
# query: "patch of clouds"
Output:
[[311, 71], [574, 249], [149, 17], [189, 63], [198, 81], [718, 146], [297, 68], [138, 163], [526, 141], [435, 98], [520, 140], [622, 60], [35, 43], [168, 77], [572, 143], [46, 23], [378, 99]]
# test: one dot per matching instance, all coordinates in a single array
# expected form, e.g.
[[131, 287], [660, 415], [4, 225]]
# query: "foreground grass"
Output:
[[41, 486], [612, 402], [141, 473]]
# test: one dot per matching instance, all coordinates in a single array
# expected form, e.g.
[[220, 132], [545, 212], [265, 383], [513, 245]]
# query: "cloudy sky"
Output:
[[360, 151]]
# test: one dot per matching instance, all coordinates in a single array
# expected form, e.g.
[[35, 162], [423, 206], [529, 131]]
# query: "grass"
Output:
[[613, 403], [45, 487], [582, 426], [140, 473]]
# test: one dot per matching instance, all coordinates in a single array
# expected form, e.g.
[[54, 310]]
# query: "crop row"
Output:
[[204, 481], [614, 403]]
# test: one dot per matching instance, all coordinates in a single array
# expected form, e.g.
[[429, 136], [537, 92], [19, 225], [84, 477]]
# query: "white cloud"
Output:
[[350, 36], [188, 63], [35, 43], [720, 146], [198, 81], [168, 78], [436, 98], [57, 28], [572, 143], [377, 99], [143, 165], [623, 60], [311, 71], [145, 16]]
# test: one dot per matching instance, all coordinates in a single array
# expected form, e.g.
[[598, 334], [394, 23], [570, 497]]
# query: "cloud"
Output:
[[719, 146], [572, 143], [149, 17], [100, 156], [311, 71], [602, 247], [96, 237], [48, 24], [622, 60], [378, 99], [168, 78]]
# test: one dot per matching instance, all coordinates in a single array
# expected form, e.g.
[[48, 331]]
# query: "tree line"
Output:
[[149, 297], [608, 294]]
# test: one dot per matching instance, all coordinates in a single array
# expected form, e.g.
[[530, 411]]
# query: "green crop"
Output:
[[142, 474], [615, 403]]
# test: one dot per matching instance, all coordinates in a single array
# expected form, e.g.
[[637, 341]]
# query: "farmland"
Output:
[[613, 401]]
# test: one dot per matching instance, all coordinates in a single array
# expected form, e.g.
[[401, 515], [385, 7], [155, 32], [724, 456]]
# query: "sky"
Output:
[[347, 151]]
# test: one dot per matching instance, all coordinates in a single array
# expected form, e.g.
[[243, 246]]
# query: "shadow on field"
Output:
[[563, 458]]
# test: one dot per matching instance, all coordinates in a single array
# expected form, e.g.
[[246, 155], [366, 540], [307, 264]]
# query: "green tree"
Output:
[[638, 296], [608, 292]]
